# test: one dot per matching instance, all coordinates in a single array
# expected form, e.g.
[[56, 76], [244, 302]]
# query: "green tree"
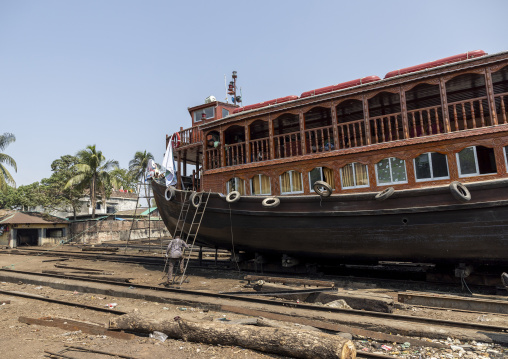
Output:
[[138, 166], [124, 178], [93, 172], [5, 177], [58, 196]]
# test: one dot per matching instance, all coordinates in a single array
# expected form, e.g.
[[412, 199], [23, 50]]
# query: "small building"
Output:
[[32, 229]]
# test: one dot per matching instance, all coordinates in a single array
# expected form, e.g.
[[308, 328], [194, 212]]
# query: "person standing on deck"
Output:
[[174, 254]]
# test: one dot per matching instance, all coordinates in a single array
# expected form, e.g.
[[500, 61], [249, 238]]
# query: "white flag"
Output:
[[169, 164]]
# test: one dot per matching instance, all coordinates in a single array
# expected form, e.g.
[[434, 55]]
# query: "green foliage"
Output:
[[59, 197], [138, 165], [93, 172], [24, 197], [123, 178], [6, 179]]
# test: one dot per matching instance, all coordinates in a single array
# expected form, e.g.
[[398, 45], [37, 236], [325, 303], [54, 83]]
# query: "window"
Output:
[[431, 165], [291, 182], [209, 113], [354, 175], [236, 184], [391, 171], [321, 174], [476, 160], [98, 205], [225, 113], [260, 184]]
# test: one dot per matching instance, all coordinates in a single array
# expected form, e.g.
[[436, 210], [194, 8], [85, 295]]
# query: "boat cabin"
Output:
[[425, 125]]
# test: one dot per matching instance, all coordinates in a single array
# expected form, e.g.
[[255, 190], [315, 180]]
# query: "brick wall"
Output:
[[104, 231]]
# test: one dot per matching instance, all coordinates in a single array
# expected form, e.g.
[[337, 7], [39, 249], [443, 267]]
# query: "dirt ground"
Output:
[[19, 340]]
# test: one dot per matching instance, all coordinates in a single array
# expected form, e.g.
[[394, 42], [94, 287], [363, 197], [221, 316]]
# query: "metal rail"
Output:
[[296, 306]]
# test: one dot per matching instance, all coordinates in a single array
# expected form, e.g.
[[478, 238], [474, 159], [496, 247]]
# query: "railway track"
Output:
[[406, 276], [267, 303]]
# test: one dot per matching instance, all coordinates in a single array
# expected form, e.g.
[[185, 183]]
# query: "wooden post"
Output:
[[444, 105], [270, 138], [222, 148], [247, 143], [490, 96], [404, 113], [185, 163], [335, 127], [198, 180], [365, 103], [302, 132]]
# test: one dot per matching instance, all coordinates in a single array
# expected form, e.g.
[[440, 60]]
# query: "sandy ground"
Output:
[[19, 340]]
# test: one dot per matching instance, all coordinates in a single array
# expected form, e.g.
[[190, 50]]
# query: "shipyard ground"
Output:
[[19, 340]]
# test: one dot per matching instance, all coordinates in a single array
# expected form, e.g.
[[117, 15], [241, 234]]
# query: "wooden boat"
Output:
[[412, 167]]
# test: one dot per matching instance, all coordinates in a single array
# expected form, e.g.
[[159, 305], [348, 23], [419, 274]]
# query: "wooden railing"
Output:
[[386, 128], [469, 114], [319, 139], [287, 145], [213, 158], [501, 101], [235, 154], [463, 115], [351, 134], [190, 136], [259, 150], [425, 121]]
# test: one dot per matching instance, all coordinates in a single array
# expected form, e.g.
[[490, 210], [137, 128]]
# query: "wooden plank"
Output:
[[78, 268], [99, 352], [331, 326], [73, 325], [58, 355], [454, 302], [38, 297], [316, 283]]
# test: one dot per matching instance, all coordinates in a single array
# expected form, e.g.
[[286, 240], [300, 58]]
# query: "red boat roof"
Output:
[[440, 62], [265, 103], [343, 85]]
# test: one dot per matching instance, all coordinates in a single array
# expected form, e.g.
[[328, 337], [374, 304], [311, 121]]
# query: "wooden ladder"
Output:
[[194, 228]]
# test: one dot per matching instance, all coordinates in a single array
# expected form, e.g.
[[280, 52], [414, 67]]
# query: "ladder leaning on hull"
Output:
[[194, 226]]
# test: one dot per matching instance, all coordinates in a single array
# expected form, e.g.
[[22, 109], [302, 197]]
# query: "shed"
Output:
[[32, 229]]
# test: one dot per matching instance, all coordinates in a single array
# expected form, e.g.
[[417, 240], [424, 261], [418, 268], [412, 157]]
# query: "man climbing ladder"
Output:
[[174, 257]]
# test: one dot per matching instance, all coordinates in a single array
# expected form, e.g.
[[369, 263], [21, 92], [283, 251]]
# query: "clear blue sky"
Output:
[[120, 74]]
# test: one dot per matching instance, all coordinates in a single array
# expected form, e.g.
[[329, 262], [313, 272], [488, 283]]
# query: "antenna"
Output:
[[232, 89]]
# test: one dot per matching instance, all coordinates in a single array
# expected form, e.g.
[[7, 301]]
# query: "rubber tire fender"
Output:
[[270, 202], [460, 192], [322, 188], [384, 194], [233, 196], [192, 199], [171, 191]]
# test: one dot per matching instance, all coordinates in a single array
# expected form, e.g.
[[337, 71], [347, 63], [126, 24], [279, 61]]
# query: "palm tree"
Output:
[[93, 173], [137, 167], [5, 177]]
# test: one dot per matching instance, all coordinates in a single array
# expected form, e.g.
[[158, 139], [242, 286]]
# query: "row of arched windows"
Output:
[[429, 166]]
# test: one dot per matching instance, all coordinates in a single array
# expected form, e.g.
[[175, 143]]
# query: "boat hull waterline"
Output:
[[422, 225]]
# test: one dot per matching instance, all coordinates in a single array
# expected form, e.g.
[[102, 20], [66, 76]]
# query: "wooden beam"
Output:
[[74, 325], [331, 326]]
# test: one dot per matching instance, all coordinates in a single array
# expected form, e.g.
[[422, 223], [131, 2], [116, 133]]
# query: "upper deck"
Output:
[[440, 102]]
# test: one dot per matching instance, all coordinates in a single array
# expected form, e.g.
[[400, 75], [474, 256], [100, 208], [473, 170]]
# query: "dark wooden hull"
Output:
[[421, 225]]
